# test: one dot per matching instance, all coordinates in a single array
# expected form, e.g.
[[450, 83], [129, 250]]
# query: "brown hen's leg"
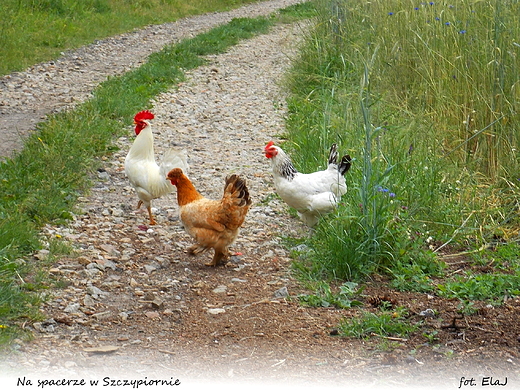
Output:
[[218, 259], [139, 204]]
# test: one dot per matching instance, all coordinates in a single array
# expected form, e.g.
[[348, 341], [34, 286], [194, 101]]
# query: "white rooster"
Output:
[[145, 175], [311, 194]]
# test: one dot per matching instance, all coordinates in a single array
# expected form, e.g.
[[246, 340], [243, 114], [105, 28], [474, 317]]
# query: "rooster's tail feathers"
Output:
[[344, 164], [175, 158]]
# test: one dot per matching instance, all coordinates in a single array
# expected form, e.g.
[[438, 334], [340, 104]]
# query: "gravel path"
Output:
[[27, 97]]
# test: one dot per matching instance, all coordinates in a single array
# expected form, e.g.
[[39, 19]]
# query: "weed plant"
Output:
[[386, 323], [325, 297]]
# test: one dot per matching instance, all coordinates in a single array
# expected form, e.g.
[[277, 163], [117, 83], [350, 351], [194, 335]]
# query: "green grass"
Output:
[[426, 99], [35, 31], [41, 184], [344, 298], [386, 323], [402, 86]]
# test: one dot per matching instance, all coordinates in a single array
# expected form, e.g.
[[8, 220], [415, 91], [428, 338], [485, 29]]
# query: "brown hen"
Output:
[[212, 223]]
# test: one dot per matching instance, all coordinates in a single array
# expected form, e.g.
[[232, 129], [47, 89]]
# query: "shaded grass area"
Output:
[[41, 184], [37, 31]]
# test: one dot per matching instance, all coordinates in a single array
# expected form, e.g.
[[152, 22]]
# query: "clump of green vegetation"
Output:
[[325, 297], [435, 162], [386, 323]]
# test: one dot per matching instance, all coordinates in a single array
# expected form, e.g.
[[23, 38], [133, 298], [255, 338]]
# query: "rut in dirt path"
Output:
[[27, 97]]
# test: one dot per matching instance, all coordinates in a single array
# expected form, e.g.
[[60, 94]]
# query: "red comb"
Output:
[[271, 143], [143, 115]]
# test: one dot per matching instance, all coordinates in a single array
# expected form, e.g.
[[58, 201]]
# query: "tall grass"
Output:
[[39, 30], [426, 97]]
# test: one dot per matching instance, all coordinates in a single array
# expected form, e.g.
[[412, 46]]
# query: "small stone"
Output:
[[63, 319], [427, 313], [157, 303], [83, 260], [42, 254], [281, 293], [152, 315], [103, 315], [72, 308], [91, 273], [104, 176], [88, 301], [110, 249], [220, 289], [96, 292], [108, 264], [47, 326], [216, 310], [118, 213]]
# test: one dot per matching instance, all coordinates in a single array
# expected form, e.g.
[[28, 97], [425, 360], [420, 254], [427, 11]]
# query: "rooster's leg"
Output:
[[152, 220], [139, 204]]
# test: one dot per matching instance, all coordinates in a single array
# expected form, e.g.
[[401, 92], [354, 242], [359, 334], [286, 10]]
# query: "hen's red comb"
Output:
[[271, 143], [143, 115]]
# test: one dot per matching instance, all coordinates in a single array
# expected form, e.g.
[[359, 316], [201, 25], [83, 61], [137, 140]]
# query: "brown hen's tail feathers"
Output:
[[236, 186], [344, 164]]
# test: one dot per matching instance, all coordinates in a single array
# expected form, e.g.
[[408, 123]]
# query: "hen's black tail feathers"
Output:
[[237, 186], [344, 164], [333, 154]]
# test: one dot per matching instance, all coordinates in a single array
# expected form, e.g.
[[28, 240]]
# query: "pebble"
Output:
[[281, 293], [72, 308], [220, 289], [216, 310]]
